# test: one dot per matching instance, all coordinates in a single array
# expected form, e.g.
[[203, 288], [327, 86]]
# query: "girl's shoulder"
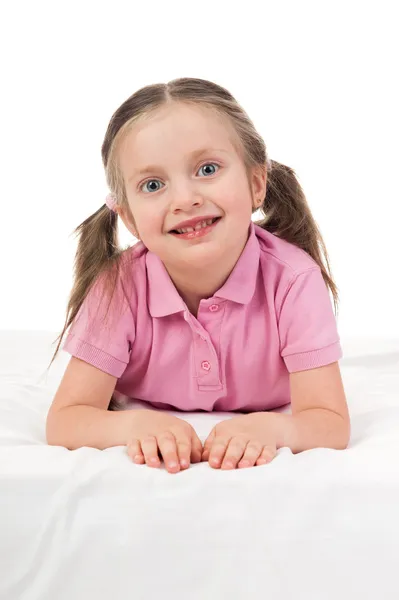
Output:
[[134, 253], [132, 266], [285, 255], [132, 259]]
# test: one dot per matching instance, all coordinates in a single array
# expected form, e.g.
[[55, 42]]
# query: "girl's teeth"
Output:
[[197, 227]]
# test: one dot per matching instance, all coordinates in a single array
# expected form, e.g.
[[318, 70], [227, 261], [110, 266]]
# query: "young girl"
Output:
[[208, 311]]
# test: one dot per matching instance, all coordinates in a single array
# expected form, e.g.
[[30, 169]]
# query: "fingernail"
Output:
[[244, 463], [154, 460], [184, 462], [215, 461], [172, 465], [228, 464], [137, 458]]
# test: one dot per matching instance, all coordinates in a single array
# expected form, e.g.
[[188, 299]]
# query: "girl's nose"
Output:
[[185, 200]]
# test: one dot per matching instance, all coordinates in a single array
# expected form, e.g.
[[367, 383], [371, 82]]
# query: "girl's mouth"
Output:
[[202, 228]]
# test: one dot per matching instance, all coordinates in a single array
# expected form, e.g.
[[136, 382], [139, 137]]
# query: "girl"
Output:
[[208, 311]]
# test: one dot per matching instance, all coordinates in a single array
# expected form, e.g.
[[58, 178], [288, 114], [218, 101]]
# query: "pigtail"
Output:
[[288, 216], [97, 251]]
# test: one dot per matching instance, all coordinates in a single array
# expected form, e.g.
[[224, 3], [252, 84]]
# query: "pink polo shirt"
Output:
[[273, 316]]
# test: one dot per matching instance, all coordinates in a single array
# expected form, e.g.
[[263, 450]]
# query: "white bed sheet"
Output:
[[90, 524]]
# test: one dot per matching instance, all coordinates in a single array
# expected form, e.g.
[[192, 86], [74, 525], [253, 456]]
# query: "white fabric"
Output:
[[90, 524]]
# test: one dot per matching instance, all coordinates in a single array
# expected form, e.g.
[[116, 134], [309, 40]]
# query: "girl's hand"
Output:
[[156, 434], [243, 441]]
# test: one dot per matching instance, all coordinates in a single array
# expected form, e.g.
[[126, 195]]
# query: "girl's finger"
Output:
[[168, 448], [135, 453], [251, 454], [196, 448], [183, 451], [217, 452], [208, 445], [234, 452], [267, 455], [149, 448]]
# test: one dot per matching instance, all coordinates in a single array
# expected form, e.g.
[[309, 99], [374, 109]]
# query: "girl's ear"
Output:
[[258, 183]]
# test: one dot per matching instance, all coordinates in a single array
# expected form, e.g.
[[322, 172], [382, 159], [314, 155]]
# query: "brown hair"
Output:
[[285, 209]]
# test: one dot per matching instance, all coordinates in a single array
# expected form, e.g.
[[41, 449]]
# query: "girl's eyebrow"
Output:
[[194, 154]]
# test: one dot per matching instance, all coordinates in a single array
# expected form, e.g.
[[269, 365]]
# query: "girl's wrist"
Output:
[[282, 428]]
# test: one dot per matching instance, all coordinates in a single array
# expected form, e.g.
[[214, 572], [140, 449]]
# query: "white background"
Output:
[[318, 79]]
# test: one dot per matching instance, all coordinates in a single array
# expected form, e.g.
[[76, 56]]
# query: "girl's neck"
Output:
[[193, 289], [196, 284]]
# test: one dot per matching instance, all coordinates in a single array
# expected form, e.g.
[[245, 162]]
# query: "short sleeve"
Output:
[[103, 330], [307, 325]]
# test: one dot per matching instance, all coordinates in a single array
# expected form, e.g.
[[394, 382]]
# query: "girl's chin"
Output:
[[196, 255]]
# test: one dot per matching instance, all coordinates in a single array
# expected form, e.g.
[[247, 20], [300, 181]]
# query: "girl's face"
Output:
[[180, 164]]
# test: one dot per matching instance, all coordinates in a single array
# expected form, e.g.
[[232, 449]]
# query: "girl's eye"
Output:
[[152, 181], [209, 165]]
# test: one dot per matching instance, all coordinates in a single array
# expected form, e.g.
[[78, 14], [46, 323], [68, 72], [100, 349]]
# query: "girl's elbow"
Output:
[[54, 430], [344, 436]]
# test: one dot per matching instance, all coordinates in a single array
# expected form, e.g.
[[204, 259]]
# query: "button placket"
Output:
[[205, 353], [207, 363]]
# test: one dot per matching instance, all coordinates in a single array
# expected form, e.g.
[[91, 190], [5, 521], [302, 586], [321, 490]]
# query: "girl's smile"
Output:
[[195, 228]]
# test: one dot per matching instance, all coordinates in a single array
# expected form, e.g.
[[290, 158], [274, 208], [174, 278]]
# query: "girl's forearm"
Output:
[[82, 425], [312, 428]]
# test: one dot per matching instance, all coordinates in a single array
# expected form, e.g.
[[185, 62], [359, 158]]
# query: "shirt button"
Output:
[[206, 365], [214, 307]]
